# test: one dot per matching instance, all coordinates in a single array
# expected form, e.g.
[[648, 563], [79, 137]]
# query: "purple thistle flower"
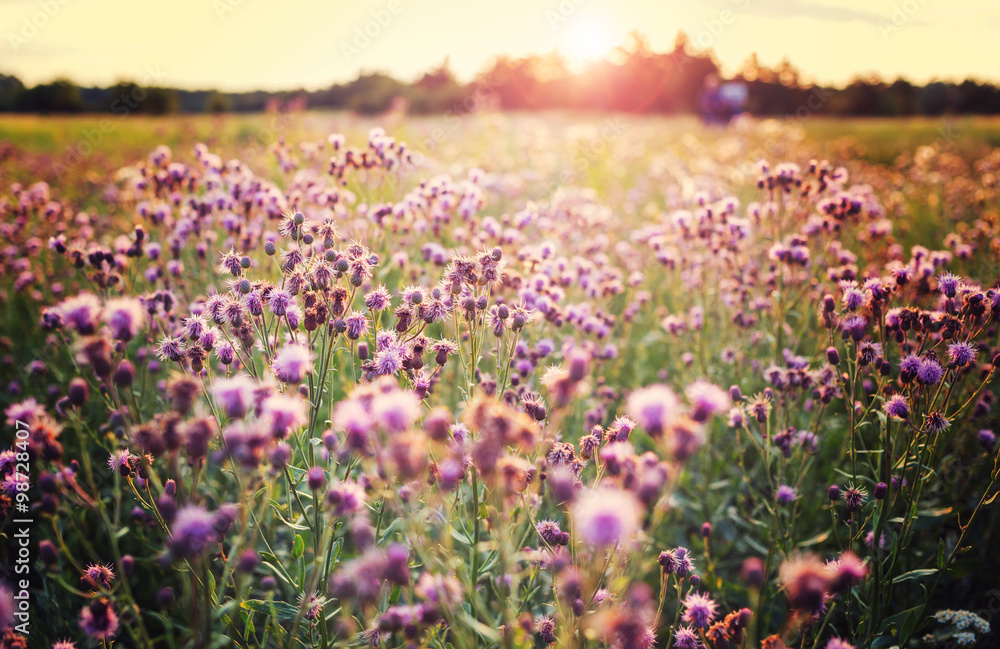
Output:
[[231, 263], [378, 299], [868, 352], [80, 312], [961, 353], [676, 562], [233, 311], [653, 407], [192, 532], [234, 395], [686, 637], [706, 400], [346, 497], [837, 643], [699, 610], [354, 419], [883, 541], [948, 284], [283, 413], [292, 363], [909, 366], [546, 629], [99, 620], [442, 590], [854, 497], [785, 495], [357, 325], [225, 352], [124, 316], [619, 430], [854, 297], [896, 406], [395, 410], [930, 371], [171, 349], [99, 576], [278, 301], [254, 303], [550, 533], [936, 422], [847, 570], [606, 516], [213, 307], [854, 327], [389, 360]]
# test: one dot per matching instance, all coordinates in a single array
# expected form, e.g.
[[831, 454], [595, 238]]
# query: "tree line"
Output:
[[634, 79]]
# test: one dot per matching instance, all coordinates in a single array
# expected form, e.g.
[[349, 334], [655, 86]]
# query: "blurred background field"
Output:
[[39, 147]]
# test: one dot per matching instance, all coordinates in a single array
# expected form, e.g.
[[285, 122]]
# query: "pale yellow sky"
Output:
[[249, 44]]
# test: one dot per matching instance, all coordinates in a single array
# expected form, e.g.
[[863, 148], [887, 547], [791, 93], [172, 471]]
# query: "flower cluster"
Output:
[[361, 399]]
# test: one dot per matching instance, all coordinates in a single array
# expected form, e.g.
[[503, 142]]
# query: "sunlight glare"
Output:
[[586, 40]]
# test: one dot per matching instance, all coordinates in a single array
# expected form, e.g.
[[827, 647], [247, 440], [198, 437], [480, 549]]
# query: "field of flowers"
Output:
[[498, 381]]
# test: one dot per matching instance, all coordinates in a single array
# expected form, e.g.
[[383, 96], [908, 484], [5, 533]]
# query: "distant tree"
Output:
[[900, 98], [60, 96], [633, 78], [977, 98], [217, 102], [936, 98], [861, 97], [372, 92], [437, 91], [160, 101], [11, 90]]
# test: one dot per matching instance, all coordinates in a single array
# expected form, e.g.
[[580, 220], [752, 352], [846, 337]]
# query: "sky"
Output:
[[237, 45]]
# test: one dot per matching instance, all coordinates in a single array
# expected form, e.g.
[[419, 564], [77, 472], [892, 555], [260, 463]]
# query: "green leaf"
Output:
[[334, 553], [491, 560], [819, 538], [247, 616], [389, 531], [279, 572], [753, 543], [901, 620], [294, 526], [299, 547], [459, 535], [915, 574], [935, 513], [282, 610], [487, 632]]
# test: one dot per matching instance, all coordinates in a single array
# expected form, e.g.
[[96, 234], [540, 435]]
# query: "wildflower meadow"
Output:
[[499, 380]]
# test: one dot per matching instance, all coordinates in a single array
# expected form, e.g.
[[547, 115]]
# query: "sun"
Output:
[[586, 40]]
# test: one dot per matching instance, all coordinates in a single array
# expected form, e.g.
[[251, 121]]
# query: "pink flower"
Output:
[[654, 407], [284, 413], [124, 316], [292, 363], [607, 516]]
